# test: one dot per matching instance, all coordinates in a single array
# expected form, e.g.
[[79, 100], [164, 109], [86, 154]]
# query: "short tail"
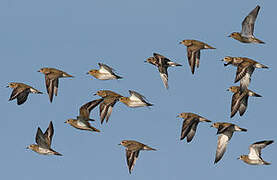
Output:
[[118, 77], [242, 129], [173, 64], [266, 163], [149, 148], [149, 104], [58, 154], [66, 75], [208, 47], [94, 129], [259, 41], [256, 95]]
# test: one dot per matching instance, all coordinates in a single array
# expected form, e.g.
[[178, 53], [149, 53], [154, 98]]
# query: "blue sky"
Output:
[[75, 35]]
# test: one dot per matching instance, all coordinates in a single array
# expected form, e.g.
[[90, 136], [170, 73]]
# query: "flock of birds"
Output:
[[245, 68]]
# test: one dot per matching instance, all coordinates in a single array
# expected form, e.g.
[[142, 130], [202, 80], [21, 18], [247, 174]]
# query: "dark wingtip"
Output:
[[242, 129], [269, 142]]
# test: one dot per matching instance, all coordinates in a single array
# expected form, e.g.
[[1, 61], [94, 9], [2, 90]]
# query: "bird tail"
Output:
[[118, 77], [258, 65], [266, 163], [58, 154], [66, 75], [259, 41], [173, 64], [204, 120], [208, 47], [256, 95], [242, 129], [149, 148], [94, 129]]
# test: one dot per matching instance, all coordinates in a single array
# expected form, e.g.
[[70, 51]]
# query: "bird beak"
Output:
[[87, 73], [178, 116], [180, 42], [227, 90], [95, 94], [27, 147], [229, 36], [7, 86], [145, 61], [38, 71], [119, 144], [211, 126], [65, 122], [238, 158]]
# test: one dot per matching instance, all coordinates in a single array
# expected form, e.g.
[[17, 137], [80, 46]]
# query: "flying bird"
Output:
[[240, 100], [247, 30], [135, 100], [82, 121], [225, 131], [193, 52], [43, 141], [132, 151], [52, 76], [190, 123], [21, 92], [104, 73], [162, 63], [245, 68], [254, 156]]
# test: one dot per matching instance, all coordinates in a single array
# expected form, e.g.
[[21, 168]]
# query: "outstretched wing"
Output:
[[255, 149], [249, 22], [222, 142], [186, 127], [105, 68], [48, 134], [243, 105], [164, 75], [136, 96], [192, 131], [131, 157], [86, 108], [40, 139]]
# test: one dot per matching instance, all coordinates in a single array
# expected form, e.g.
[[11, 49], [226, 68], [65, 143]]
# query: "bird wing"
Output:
[[85, 109], [106, 108], [164, 75], [249, 22], [241, 71], [222, 142], [22, 96], [48, 134], [255, 149], [49, 86], [243, 105], [246, 79], [187, 125], [16, 92], [192, 56], [197, 57], [131, 157], [136, 96], [40, 139], [192, 131], [56, 85], [105, 68], [237, 99]]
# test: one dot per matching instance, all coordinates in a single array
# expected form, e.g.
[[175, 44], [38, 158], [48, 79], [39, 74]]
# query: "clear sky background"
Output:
[[75, 35]]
